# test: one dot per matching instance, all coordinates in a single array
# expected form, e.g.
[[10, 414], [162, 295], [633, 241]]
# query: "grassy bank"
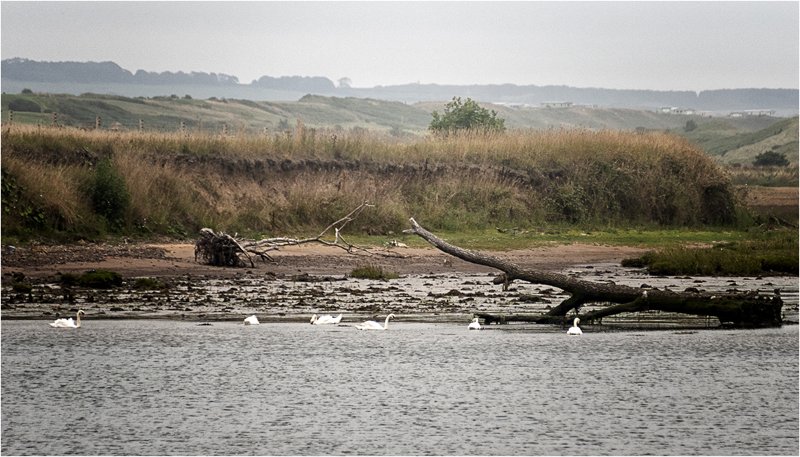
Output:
[[767, 252], [71, 184]]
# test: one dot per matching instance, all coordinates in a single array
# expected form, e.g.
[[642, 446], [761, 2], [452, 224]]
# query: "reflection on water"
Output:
[[165, 387]]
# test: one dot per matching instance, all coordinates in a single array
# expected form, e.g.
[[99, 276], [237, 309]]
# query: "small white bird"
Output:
[[474, 325], [68, 323], [575, 330], [372, 325], [325, 319], [252, 320]]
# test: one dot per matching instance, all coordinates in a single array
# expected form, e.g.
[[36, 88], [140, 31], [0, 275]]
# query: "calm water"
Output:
[[166, 387]]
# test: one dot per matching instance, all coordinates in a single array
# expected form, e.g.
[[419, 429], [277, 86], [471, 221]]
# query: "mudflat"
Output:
[[39, 262]]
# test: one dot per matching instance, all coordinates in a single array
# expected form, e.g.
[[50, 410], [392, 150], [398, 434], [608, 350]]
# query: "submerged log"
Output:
[[745, 309]]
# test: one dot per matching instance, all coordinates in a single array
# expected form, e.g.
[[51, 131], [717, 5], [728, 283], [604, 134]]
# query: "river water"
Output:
[[150, 387]]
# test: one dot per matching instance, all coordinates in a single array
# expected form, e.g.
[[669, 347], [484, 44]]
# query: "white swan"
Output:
[[372, 325], [68, 323], [252, 320], [575, 330], [474, 325], [325, 319]]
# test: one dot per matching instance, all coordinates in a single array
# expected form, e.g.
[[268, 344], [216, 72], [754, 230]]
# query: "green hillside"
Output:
[[577, 117], [733, 140], [742, 148], [166, 114]]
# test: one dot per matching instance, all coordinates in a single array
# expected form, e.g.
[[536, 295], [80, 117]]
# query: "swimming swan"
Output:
[[474, 325], [575, 330], [68, 323], [252, 320], [325, 319], [372, 325]]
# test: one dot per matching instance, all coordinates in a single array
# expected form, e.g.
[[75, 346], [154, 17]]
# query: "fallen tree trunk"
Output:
[[746, 309]]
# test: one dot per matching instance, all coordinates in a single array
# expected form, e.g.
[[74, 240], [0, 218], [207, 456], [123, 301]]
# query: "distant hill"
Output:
[[731, 145], [109, 78], [335, 113], [169, 114]]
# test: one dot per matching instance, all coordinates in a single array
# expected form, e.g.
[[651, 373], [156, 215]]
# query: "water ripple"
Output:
[[174, 388]]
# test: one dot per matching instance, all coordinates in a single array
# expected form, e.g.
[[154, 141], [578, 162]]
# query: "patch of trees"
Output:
[[20, 69], [771, 158], [103, 72], [465, 116]]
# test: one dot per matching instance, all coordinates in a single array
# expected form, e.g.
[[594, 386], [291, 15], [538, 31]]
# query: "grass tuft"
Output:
[[373, 272]]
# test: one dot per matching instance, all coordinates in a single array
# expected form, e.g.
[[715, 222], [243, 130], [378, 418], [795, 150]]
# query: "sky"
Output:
[[619, 45]]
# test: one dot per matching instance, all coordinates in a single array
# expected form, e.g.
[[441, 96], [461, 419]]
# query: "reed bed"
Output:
[[302, 180], [765, 176]]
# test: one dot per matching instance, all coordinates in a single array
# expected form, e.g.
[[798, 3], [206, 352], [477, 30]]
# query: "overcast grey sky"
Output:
[[624, 45]]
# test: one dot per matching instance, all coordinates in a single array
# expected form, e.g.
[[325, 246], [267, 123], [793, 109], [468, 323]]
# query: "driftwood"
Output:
[[221, 249], [747, 309]]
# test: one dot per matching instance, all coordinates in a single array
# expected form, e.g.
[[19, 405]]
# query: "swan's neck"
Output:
[[386, 322], [78, 319]]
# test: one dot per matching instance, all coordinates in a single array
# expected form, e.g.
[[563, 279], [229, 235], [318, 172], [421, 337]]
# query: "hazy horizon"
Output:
[[681, 46]]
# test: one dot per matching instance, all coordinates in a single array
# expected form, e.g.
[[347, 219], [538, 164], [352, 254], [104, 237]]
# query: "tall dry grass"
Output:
[[303, 180], [765, 176]]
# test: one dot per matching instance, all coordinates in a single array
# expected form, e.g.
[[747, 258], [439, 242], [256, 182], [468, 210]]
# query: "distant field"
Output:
[[731, 141]]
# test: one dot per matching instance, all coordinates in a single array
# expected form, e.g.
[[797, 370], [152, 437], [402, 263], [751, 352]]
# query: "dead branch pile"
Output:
[[221, 249]]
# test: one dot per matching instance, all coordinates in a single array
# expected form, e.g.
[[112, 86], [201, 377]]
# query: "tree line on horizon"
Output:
[[21, 69]]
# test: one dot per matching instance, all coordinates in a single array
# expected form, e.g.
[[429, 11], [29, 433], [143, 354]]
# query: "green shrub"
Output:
[[20, 211], [68, 279], [372, 272], [468, 116], [100, 279], [149, 284], [21, 287], [771, 158], [109, 194]]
